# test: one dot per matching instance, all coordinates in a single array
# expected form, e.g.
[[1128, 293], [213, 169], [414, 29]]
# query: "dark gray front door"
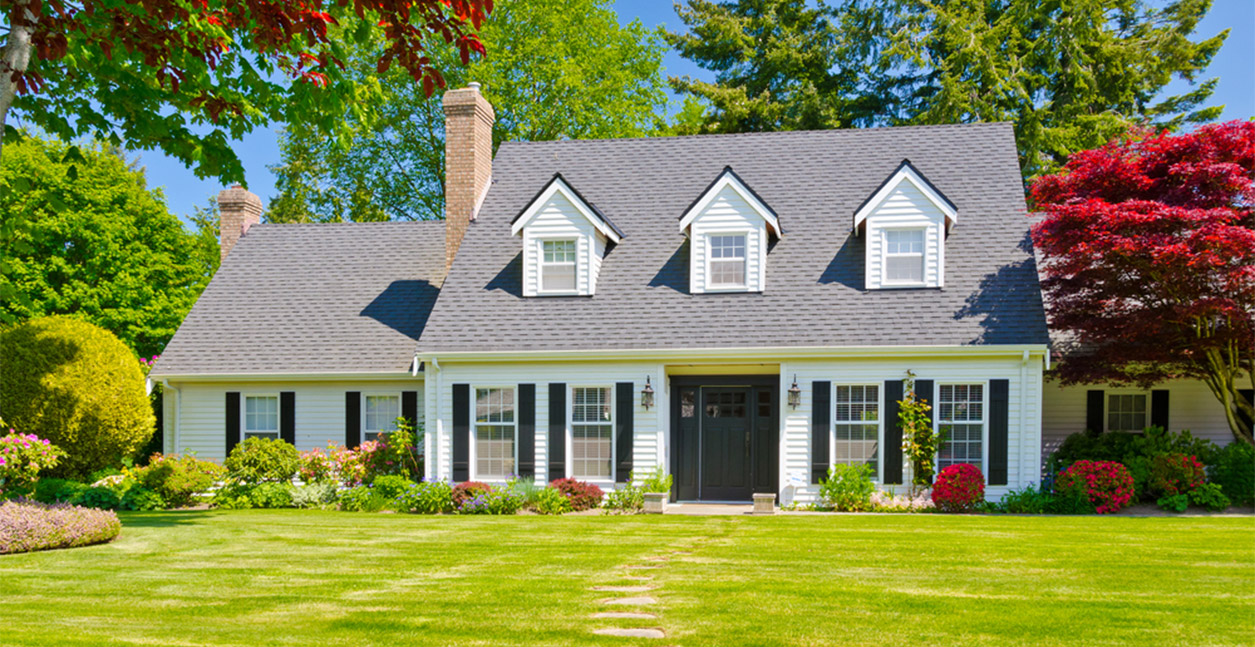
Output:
[[724, 442]]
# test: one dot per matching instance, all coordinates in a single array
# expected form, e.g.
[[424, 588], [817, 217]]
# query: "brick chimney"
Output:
[[468, 119], [238, 209]]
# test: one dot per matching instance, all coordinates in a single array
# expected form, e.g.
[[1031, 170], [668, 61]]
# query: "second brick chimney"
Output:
[[238, 209], [468, 119]]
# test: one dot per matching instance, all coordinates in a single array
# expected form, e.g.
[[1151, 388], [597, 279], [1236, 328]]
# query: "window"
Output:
[[557, 267], [494, 433], [727, 261], [592, 429], [961, 418], [1126, 412], [381, 414], [904, 256], [857, 425], [261, 416]]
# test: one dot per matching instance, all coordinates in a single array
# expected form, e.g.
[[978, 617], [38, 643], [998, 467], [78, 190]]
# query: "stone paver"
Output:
[[633, 601], [625, 615], [631, 633], [641, 567], [625, 589]]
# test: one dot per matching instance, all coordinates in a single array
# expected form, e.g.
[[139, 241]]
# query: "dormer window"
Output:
[[565, 239], [905, 223], [728, 227]]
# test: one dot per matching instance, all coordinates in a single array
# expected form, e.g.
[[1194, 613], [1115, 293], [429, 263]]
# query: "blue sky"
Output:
[[1234, 64]]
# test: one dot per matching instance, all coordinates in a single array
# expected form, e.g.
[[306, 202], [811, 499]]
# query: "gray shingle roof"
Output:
[[305, 298], [815, 181]]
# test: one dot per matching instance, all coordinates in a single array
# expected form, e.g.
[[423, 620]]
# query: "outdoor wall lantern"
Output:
[[647, 395], [795, 394]]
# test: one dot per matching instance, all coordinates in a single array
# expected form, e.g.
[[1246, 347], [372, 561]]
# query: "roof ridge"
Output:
[[755, 134]]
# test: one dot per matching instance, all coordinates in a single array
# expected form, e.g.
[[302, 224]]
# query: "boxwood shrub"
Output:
[[263, 459]]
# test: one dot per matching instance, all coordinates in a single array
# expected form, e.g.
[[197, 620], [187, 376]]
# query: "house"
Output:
[[741, 311]]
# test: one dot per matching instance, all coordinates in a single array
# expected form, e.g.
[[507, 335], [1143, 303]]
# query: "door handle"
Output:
[[747, 442]]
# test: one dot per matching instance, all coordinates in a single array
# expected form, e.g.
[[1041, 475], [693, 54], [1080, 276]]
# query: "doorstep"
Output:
[[710, 509]]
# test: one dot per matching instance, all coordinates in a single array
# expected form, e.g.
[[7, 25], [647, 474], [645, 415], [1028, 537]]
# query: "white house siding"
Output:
[[559, 219], [197, 423], [1191, 406], [648, 441], [728, 213], [1023, 416], [906, 207]]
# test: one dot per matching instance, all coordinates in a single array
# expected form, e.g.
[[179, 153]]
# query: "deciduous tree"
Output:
[[1148, 248]]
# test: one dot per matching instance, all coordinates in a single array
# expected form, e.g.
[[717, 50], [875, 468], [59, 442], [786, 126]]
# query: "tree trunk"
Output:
[[14, 59], [1222, 379]]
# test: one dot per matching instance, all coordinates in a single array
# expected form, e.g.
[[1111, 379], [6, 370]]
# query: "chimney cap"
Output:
[[474, 85]]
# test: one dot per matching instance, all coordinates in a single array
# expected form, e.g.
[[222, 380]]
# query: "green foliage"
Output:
[[178, 479], [391, 486], [57, 490], [1136, 451], [1028, 500], [78, 386], [139, 497], [1210, 496], [657, 481], [504, 501], [429, 497], [263, 459], [527, 488], [315, 495], [102, 247], [626, 499], [100, 497], [1233, 469], [237, 495], [848, 488], [1174, 502], [362, 498], [1070, 500], [396, 452], [556, 69], [919, 441], [551, 501]]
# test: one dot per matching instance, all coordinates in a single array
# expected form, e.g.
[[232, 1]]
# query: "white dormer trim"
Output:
[[907, 173], [729, 179], [559, 186]]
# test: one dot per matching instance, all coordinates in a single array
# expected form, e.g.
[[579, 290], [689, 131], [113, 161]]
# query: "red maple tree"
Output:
[[1148, 262]]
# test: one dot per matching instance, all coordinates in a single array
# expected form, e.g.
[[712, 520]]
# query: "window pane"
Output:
[[591, 451], [904, 268], [382, 412], [261, 416], [591, 405], [1126, 412], [557, 277], [904, 241], [727, 272], [494, 451], [857, 443], [559, 251], [961, 418]]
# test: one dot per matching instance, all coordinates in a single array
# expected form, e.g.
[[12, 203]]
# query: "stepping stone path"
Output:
[[636, 601], [631, 633], [625, 589], [626, 615], [632, 600]]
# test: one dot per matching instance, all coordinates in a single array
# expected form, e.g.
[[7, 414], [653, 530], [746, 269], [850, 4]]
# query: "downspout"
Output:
[[178, 414], [434, 434]]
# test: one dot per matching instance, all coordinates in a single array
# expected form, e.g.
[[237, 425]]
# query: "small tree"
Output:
[[919, 441]]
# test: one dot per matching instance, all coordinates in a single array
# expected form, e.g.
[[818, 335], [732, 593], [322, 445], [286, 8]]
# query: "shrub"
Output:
[[315, 495], [141, 498], [27, 526], [1174, 502], [1210, 496], [959, 488], [396, 452], [1106, 485], [178, 479], [348, 464], [848, 488], [627, 499], [583, 495], [525, 488], [1030, 500], [99, 497], [57, 490], [1172, 474], [77, 385], [1233, 469], [236, 495], [431, 497], [1135, 450], [263, 459], [390, 486], [362, 498], [657, 482], [552, 501], [22, 458], [462, 492], [504, 501], [316, 466]]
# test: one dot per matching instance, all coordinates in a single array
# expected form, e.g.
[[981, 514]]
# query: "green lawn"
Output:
[[327, 578]]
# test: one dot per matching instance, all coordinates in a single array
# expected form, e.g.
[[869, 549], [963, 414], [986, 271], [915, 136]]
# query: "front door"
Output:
[[724, 441]]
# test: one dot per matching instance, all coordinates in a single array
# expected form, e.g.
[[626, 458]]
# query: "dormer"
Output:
[[905, 223], [565, 239], [728, 228]]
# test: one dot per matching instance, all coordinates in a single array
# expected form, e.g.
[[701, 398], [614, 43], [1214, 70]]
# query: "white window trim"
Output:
[[710, 285], [362, 426], [880, 424], [885, 281], [540, 265], [1106, 408], [570, 434], [278, 433], [474, 444], [935, 402]]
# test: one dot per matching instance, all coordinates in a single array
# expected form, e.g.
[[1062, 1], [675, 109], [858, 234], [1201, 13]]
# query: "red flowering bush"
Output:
[[1173, 474], [583, 495], [463, 492], [959, 488], [1107, 485]]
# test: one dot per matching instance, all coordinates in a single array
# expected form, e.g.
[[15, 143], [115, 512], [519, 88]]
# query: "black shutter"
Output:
[[1094, 411], [557, 430], [893, 434], [821, 426], [233, 422], [461, 432], [527, 431], [924, 393], [1159, 408], [1249, 395], [287, 417], [352, 419], [999, 397], [625, 397], [409, 408]]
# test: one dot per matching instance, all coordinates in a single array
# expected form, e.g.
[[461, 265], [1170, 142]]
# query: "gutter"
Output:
[[245, 377], [737, 355]]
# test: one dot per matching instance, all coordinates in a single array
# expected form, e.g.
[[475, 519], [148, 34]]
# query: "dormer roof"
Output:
[[729, 179], [906, 172], [557, 185]]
